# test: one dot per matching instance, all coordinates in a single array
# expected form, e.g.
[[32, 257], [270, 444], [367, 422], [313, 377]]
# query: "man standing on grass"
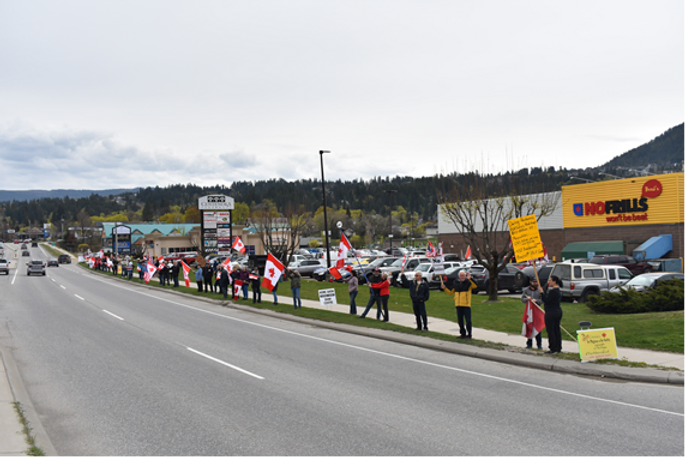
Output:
[[462, 301]]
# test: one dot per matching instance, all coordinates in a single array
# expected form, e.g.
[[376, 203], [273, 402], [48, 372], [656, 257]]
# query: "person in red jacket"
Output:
[[383, 288]]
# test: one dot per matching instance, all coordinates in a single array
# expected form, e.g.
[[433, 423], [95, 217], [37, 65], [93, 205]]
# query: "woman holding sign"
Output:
[[553, 313]]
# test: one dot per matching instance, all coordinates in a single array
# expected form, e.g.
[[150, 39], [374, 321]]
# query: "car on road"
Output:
[[4, 266], [53, 263], [23, 247], [64, 258], [25, 253], [35, 267], [646, 281], [34, 244]]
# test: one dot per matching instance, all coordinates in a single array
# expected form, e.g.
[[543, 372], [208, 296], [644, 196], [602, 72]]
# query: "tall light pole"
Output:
[[390, 192], [325, 215]]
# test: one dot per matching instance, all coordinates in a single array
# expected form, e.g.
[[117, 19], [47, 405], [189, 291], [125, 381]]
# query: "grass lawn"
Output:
[[657, 331]]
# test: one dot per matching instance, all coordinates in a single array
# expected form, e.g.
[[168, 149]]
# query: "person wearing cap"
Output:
[[531, 292], [375, 297]]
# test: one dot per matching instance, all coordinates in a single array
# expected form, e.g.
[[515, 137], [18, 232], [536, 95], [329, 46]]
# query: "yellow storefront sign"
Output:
[[656, 199], [597, 344], [525, 237]]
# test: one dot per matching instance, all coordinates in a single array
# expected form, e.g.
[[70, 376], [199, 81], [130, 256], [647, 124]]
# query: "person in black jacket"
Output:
[[175, 270], [419, 293], [223, 281], [208, 273], [553, 313], [256, 284]]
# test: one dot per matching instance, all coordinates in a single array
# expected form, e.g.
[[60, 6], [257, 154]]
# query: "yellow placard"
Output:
[[597, 344], [525, 237]]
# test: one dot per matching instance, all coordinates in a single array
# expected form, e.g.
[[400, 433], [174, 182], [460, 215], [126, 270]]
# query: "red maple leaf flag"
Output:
[[186, 273], [272, 272], [533, 320], [334, 272], [238, 245], [342, 251], [468, 253]]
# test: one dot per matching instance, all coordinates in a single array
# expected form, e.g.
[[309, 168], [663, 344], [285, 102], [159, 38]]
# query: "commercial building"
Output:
[[628, 211]]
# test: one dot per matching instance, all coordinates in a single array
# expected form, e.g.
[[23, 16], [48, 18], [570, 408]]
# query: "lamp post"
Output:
[[390, 192], [325, 215]]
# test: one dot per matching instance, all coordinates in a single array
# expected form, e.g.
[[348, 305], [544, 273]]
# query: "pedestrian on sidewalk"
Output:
[[198, 278], [235, 280], [224, 281], [295, 282], [255, 281], [175, 270], [245, 278], [462, 302], [275, 289], [532, 293], [208, 275], [375, 297], [353, 290], [419, 292], [383, 289], [553, 313]]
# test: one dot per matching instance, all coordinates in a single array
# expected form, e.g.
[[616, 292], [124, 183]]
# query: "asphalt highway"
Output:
[[114, 369]]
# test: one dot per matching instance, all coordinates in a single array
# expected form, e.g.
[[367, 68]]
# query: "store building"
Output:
[[622, 213]]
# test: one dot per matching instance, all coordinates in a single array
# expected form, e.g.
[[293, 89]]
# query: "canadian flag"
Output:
[[237, 286], [91, 262], [186, 273], [227, 265], [272, 272], [334, 272], [151, 269], [404, 261], [468, 253], [238, 245], [533, 320], [342, 251]]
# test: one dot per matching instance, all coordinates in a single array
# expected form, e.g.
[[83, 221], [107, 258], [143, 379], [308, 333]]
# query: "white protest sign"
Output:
[[327, 297]]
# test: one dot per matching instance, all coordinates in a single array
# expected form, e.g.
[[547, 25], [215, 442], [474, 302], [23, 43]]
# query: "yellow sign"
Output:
[[656, 199], [525, 237], [597, 344]]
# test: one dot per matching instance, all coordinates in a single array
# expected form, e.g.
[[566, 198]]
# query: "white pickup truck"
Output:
[[580, 280]]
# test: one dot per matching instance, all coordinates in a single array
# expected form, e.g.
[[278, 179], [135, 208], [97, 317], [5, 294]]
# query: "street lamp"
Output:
[[390, 192], [325, 216]]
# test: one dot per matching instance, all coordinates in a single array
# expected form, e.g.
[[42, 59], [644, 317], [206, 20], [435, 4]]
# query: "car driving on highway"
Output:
[[35, 267]]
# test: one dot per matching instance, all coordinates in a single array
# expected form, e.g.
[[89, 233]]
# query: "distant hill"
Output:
[[25, 195], [663, 151]]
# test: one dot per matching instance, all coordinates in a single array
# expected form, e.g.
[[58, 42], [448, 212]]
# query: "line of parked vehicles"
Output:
[[581, 277]]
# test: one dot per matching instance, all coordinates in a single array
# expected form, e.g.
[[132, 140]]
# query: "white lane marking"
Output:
[[79, 297], [63, 287], [113, 315], [224, 363], [423, 362], [16, 270]]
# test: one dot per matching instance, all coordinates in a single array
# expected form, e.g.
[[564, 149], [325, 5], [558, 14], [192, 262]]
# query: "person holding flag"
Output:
[[533, 318], [272, 274], [256, 287]]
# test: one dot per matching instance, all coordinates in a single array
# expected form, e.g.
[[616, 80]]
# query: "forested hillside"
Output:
[[666, 149]]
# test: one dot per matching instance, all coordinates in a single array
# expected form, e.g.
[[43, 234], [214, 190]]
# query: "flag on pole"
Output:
[[342, 251], [151, 269], [468, 253], [272, 272], [404, 261], [186, 273], [238, 245], [431, 251], [533, 320]]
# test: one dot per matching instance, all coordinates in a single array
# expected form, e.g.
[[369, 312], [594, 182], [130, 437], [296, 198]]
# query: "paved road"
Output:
[[114, 370]]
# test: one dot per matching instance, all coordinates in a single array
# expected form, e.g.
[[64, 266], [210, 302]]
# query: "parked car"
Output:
[[395, 274], [368, 268], [646, 281], [635, 267], [4, 266], [306, 267], [64, 258], [427, 271], [506, 278], [53, 263], [322, 274], [671, 265], [580, 280], [544, 270], [35, 267]]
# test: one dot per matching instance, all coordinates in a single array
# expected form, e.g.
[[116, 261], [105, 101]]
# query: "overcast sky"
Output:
[[110, 94]]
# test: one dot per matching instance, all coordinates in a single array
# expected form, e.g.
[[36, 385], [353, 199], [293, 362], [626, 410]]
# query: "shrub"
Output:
[[668, 296]]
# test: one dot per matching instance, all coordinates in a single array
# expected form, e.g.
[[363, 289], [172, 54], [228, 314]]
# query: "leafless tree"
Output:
[[279, 233], [480, 208]]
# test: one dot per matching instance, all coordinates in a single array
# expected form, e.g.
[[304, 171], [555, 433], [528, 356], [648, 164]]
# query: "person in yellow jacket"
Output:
[[462, 301]]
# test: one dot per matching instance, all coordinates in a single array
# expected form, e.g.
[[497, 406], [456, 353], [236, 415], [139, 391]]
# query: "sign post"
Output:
[[597, 344], [216, 214]]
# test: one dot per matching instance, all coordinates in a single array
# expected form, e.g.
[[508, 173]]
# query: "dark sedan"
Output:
[[506, 279], [53, 263]]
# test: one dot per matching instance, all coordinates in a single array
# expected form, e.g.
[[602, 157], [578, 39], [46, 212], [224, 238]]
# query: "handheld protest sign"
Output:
[[525, 238]]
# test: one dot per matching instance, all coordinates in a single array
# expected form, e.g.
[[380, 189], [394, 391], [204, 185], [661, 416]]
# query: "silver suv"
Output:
[[35, 266], [580, 280], [4, 266]]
